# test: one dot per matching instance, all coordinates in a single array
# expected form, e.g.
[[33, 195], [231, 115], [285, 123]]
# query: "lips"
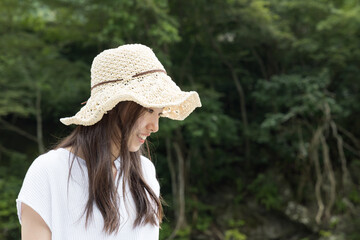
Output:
[[142, 137]]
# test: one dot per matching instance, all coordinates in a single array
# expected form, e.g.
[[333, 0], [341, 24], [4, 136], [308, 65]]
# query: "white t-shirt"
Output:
[[46, 190]]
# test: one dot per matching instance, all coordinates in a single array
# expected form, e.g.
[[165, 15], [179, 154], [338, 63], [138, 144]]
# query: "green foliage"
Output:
[[354, 233], [340, 206], [240, 188], [354, 196], [293, 106], [165, 231], [13, 164], [11, 175], [9, 224], [294, 96], [204, 211], [324, 233], [183, 234], [203, 223], [236, 223], [334, 222], [266, 192], [293, 59], [234, 234], [205, 130]]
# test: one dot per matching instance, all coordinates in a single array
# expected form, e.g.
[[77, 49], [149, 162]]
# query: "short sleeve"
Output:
[[35, 191], [150, 175]]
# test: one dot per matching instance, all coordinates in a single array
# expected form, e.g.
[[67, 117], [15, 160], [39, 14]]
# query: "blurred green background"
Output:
[[274, 153]]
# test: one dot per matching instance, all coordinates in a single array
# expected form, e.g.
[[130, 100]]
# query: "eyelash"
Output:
[[151, 111]]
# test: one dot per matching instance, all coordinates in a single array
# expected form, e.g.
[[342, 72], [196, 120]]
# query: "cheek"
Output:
[[131, 143], [136, 128], [133, 137], [139, 124]]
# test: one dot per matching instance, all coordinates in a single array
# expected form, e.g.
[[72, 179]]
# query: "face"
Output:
[[146, 124]]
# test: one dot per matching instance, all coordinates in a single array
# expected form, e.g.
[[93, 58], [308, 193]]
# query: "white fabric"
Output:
[[45, 189]]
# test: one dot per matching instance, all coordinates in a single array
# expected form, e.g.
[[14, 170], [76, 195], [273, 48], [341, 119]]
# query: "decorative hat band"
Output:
[[136, 75]]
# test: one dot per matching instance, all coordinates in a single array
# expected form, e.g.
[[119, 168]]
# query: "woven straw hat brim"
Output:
[[156, 90]]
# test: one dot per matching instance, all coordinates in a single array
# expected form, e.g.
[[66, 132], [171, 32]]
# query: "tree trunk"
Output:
[[331, 177], [241, 93], [181, 182], [173, 178], [181, 219], [39, 131]]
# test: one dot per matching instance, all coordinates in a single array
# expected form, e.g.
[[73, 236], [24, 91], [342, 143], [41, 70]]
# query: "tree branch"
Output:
[[346, 179], [181, 220], [331, 176], [11, 127], [173, 177], [314, 156]]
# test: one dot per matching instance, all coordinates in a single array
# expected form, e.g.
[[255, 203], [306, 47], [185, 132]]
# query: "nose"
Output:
[[153, 124]]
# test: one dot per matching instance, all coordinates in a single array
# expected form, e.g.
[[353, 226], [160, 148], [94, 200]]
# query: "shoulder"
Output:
[[147, 165], [150, 174], [42, 181], [54, 160]]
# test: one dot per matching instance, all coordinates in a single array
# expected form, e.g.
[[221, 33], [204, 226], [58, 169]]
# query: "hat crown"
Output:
[[123, 63]]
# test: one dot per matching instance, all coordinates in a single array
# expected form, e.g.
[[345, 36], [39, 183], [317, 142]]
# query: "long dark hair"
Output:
[[94, 143]]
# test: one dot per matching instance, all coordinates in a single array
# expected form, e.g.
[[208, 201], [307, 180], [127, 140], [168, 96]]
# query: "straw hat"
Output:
[[132, 73]]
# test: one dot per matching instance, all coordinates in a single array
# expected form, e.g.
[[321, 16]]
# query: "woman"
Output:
[[96, 184]]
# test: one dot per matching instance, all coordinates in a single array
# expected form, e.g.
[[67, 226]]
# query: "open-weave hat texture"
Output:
[[132, 73]]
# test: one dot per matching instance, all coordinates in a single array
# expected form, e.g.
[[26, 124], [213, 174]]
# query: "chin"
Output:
[[134, 149]]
